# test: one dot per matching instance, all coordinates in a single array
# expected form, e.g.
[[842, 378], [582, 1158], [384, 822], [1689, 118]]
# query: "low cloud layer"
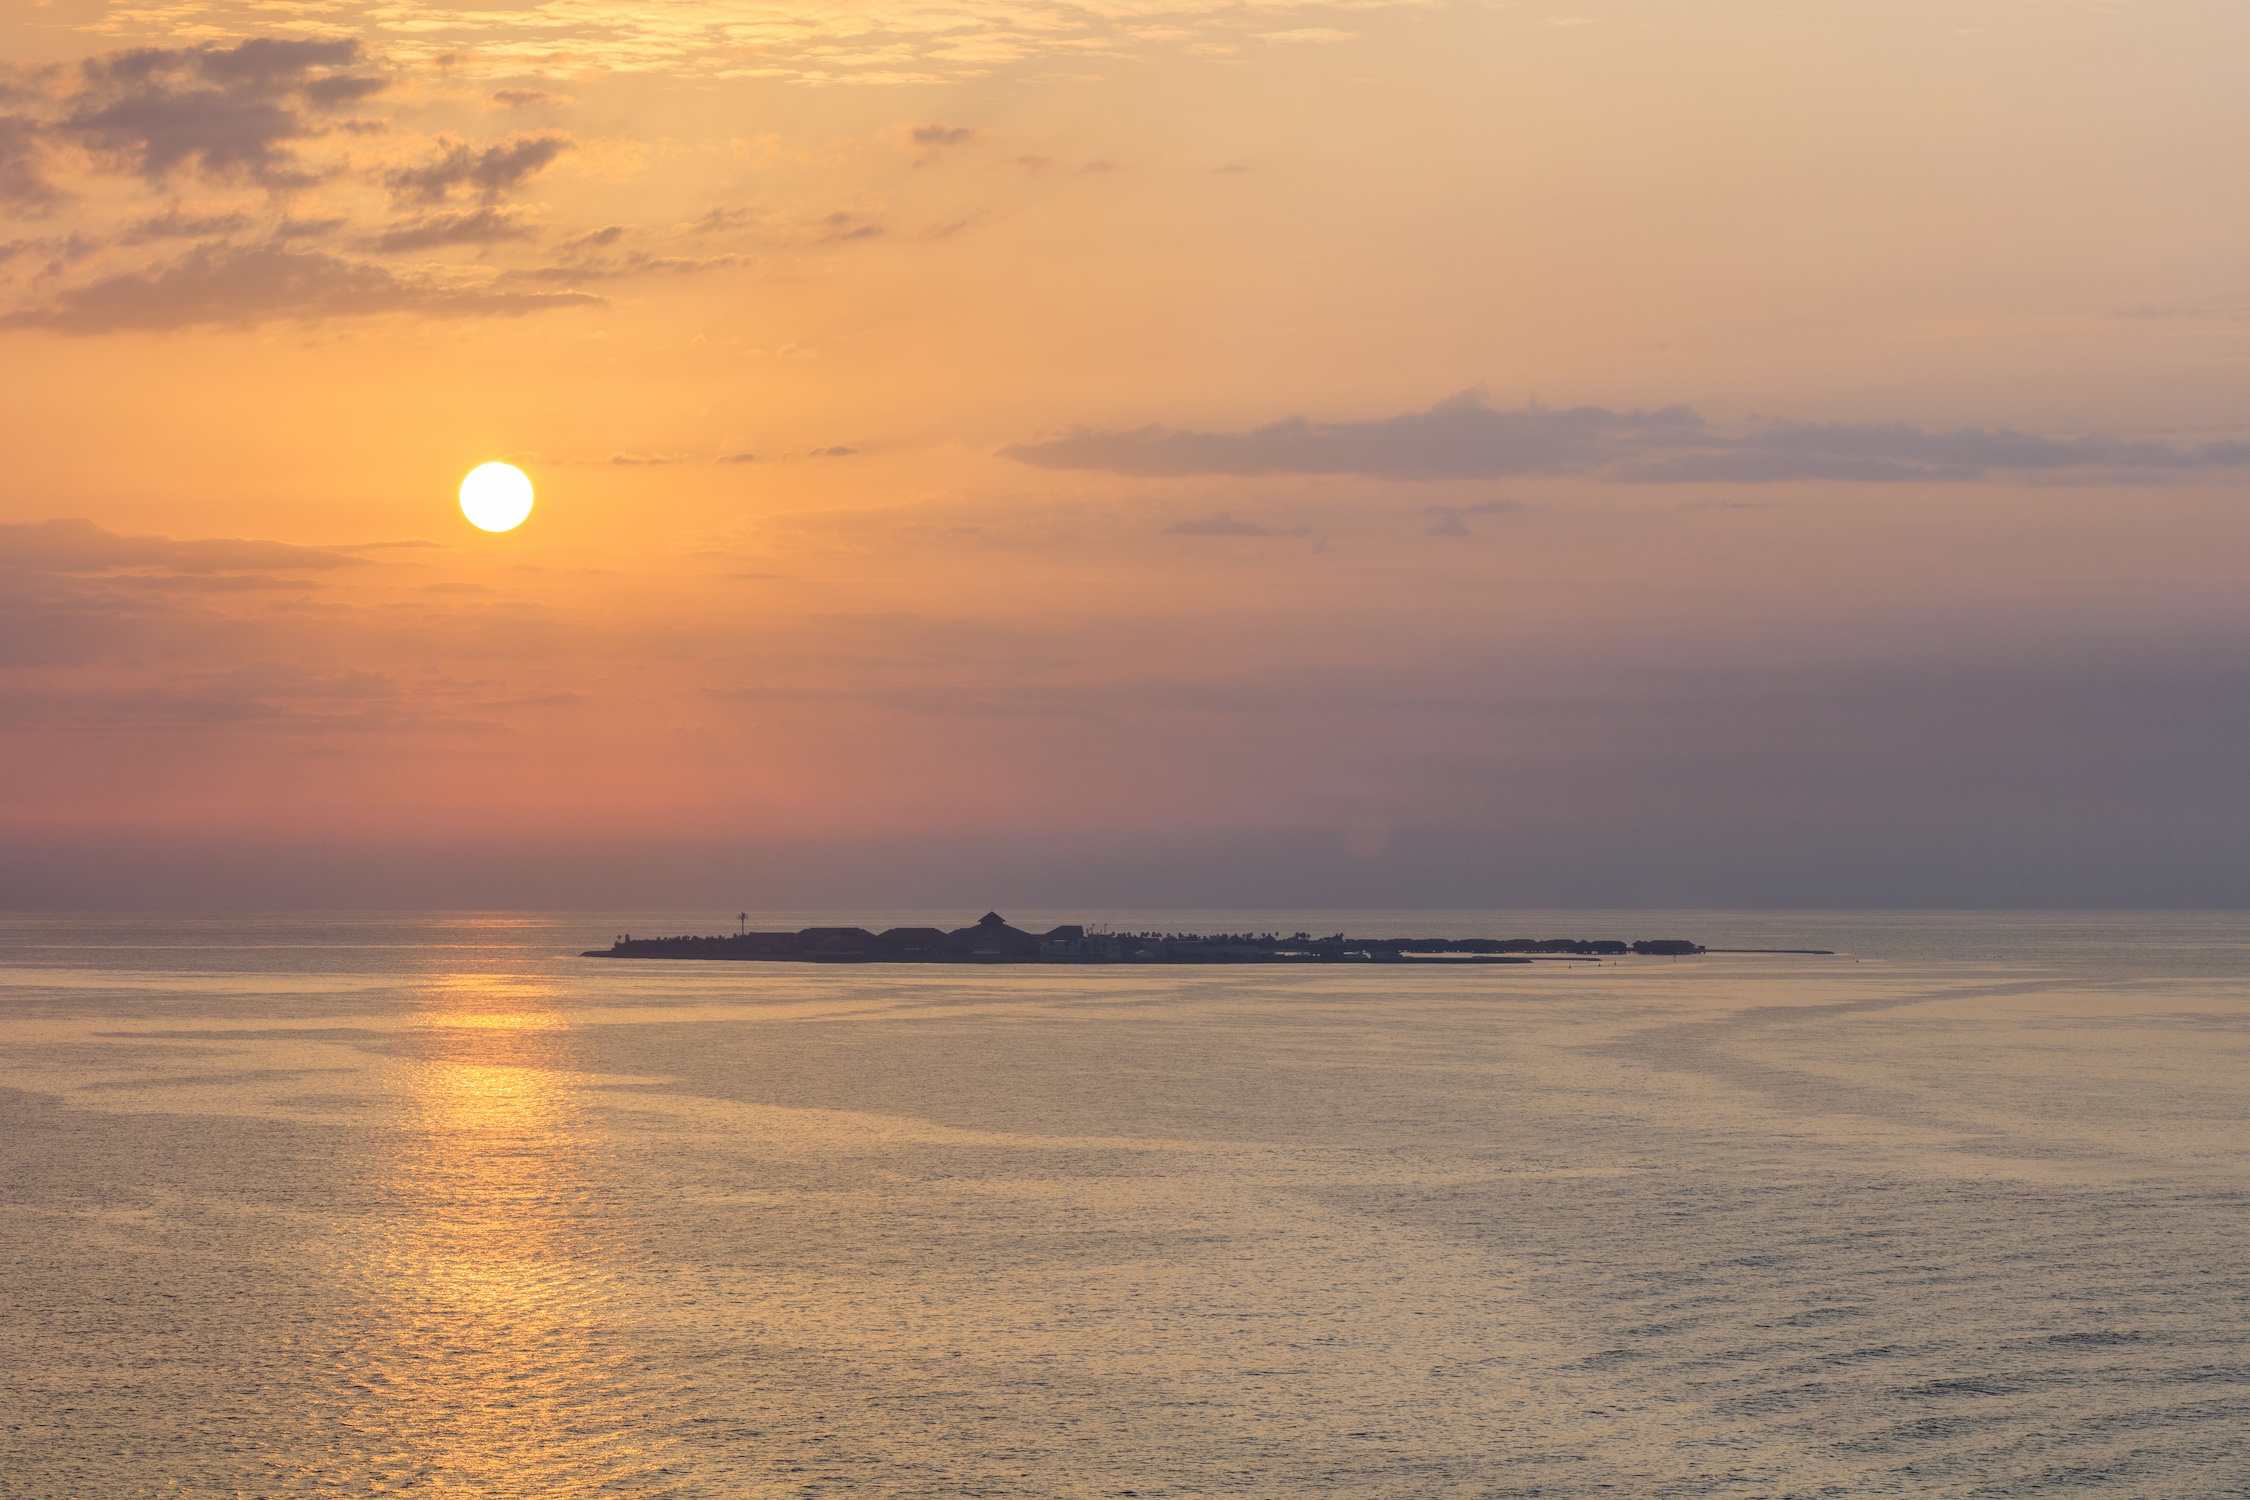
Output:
[[182, 682], [1459, 438], [79, 547], [242, 286], [1453, 520], [1224, 524], [1464, 438]]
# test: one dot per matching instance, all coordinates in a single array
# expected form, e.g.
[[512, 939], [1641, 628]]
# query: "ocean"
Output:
[[430, 1205]]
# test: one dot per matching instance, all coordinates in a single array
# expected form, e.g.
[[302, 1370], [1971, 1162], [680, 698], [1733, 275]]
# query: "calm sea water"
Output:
[[429, 1205]]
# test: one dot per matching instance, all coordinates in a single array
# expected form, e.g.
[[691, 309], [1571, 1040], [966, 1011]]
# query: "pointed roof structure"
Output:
[[993, 935]]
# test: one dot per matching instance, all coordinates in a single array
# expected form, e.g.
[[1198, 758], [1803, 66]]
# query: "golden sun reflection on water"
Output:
[[498, 1086], [495, 1022], [476, 1097], [482, 1293], [499, 1001]]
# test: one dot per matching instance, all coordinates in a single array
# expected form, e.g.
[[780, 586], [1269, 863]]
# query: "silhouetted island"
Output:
[[993, 941]]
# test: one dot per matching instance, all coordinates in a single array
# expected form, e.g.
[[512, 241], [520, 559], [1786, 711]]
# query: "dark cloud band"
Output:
[[242, 286], [1463, 438]]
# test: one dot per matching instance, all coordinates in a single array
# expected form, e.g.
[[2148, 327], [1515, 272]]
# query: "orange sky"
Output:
[[1680, 453]]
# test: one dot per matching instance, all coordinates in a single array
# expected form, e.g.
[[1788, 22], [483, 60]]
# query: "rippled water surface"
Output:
[[432, 1206]]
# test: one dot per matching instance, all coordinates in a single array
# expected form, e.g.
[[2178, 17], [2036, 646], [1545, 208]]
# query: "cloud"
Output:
[[1766, 466], [839, 450], [718, 220], [65, 250], [530, 99], [1459, 438], [1976, 448], [175, 225], [21, 186], [943, 135], [1462, 438], [79, 547], [1452, 520], [840, 227], [573, 272], [1223, 524], [488, 174], [267, 696], [476, 226], [228, 112], [243, 286], [932, 142], [1894, 453], [593, 239], [1049, 164], [292, 228]]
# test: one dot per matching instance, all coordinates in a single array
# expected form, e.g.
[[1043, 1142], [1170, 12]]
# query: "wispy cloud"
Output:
[[487, 175], [22, 187], [173, 224], [243, 286], [1460, 438], [1463, 438], [1224, 524], [1453, 520], [475, 226], [81, 547], [577, 270], [593, 239], [931, 143], [530, 99]]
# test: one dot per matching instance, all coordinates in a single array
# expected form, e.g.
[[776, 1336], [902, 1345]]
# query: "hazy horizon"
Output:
[[1228, 870]]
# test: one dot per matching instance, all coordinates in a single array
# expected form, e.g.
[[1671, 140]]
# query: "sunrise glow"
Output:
[[1333, 749]]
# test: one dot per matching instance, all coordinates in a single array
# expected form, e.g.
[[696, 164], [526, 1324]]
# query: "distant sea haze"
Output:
[[310, 1205]]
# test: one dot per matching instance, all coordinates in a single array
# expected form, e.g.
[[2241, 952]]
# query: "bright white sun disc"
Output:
[[496, 497]]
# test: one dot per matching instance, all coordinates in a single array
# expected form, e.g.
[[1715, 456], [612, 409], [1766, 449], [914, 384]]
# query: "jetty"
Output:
[[992, 940]]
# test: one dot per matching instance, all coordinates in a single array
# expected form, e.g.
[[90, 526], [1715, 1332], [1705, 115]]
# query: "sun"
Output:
[[496, 497]]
